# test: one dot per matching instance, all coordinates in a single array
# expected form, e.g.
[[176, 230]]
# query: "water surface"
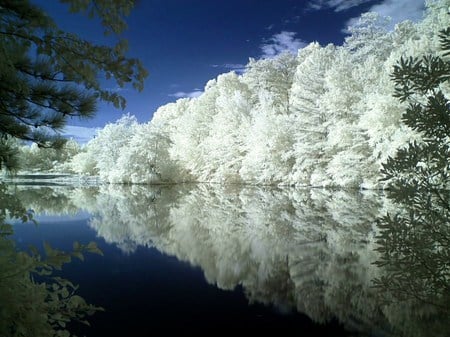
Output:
[[200, 258]]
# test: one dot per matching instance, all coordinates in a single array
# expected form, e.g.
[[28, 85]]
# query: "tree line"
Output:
[[328, 116]]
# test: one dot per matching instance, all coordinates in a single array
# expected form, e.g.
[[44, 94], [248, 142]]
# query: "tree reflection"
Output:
[[312, 251], [415, 247], [33, 302], [414, 243]]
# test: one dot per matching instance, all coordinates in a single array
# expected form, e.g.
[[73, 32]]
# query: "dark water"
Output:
[[207, 259]]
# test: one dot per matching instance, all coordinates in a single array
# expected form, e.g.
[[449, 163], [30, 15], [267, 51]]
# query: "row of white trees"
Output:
[[323, 117]]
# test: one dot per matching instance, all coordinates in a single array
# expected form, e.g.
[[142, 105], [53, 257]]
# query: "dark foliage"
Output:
[[414, 243], [48, 75]]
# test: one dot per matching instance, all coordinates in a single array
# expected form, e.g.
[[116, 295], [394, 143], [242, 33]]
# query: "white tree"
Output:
[[369, 36], [311, 118], [270, 81], [190, 130], [84, 163], [107, 146], [224, 146], [268, 140], [269, 149], [145, 159], [347, 144]]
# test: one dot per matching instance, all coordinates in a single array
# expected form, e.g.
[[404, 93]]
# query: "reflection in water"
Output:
[[414, 246], [314, 251], [34, 302]]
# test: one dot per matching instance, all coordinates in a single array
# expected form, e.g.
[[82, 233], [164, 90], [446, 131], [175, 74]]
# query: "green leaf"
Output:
[[76, 245], [48, 249], [78, 255], [93, 248]]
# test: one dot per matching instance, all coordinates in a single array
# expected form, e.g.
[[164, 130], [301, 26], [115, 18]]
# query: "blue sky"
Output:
[[185, 43]]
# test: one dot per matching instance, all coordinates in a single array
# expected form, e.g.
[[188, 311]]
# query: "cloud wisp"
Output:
[[336, 5], [400, 10], [190, 94], [281, 42], [397, 10]]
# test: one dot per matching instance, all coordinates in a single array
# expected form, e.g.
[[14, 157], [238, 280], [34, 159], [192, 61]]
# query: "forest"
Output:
[[326, 117]]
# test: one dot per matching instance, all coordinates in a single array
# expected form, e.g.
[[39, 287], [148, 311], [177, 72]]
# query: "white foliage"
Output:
[[369, 36], [138, 160], [224, 144], [311, 118], [84, 163], [191, 128], [270, 81], [269, 144], [108, 145], [323, 117]]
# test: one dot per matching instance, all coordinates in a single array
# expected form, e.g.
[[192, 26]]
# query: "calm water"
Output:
[[198, 258]]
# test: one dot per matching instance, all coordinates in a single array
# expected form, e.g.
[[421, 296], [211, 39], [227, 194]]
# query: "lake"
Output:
[[208, 258]]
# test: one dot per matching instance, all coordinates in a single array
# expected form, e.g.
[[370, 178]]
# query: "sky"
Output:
[[185, 43]]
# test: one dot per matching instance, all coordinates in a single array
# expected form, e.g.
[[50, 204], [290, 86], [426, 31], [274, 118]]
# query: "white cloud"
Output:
[[397, 10], [183, 94], [400, 10], [79, 133], [337, 5], [281, 42]]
